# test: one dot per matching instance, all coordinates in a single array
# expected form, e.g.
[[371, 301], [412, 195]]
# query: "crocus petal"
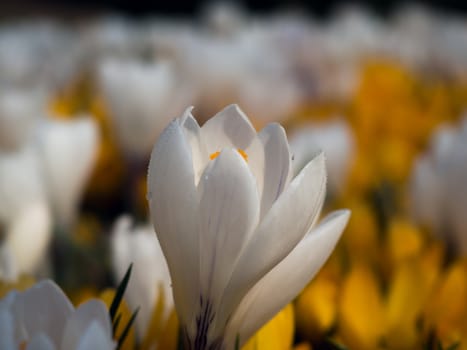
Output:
[[19, 111], [77, 325], [21, 181], [199, 153], [142, 97], [277, 164], [139, 245], [40, 341], [427, 193], [68, 150], [6, 329], [95, 337], [295, 271], [229, 211], [8, 267], [28, 237], [293, 213], [173, 201], [231, 128], [42, 308]]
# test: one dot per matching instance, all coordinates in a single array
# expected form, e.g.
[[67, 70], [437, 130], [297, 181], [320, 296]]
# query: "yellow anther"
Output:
[[239, 150], [214, 155], [243, 154]]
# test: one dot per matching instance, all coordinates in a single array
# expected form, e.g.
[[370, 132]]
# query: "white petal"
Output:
[[40, 341], [19, 111], [94, 337], [91, 311], [21, 181], [8, 267], [231, 128], [140, 246], [199, 153], [269, 296], [28, 237], [427, 194], [288, 220], [42, 308], [6, 329], [229, 211], [142, 97], [173, 202], [68, 150], [335, 139], [228, 128], [277, 164]]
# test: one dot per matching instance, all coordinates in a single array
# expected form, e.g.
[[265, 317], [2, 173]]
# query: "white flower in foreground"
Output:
[[234, 225], [43, 318], [68, 150], [142, 98], [139, 245], [337, 141], [439, 197]]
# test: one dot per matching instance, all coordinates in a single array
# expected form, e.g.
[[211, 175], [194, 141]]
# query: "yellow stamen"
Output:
[[243, 154], [214, 155], [239, 150]]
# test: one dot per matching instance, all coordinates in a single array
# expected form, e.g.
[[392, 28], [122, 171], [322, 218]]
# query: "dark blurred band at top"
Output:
[[148, 7]]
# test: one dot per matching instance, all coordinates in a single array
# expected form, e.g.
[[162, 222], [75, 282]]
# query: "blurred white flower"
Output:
[[21, 181], [8, 271], [142, 98], [43, 318], [20, 110], [335, 139], [37, 53], [150, 274], [108, 36], [234, 224], [24, 211], [439, 198], [28, 236], [224, 18], [68, 150], [44, 177]]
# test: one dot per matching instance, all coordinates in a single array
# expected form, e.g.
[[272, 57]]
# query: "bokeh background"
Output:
[[86, 87]]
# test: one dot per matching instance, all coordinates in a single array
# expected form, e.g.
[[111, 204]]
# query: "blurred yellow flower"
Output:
[[277, 334], [362, 319]]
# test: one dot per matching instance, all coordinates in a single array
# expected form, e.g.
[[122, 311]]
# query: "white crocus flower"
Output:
[[28, 237], [21, 182], [337, 141], [140, 246], [439, 199], [234, 225], [24, 211], [68, 150], [19, 112], [42, 318], [142, 98]]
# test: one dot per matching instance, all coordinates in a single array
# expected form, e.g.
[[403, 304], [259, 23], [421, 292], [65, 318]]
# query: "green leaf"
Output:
[[237, 342], [119, 294], [115, 323], [127, 328]]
